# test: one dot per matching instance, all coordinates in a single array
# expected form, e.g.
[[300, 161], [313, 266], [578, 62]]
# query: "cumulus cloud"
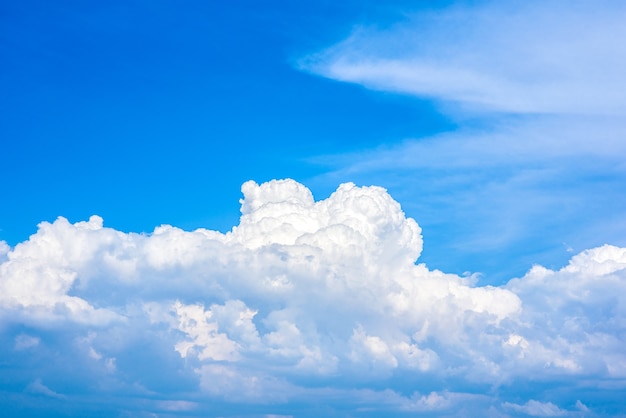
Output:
[[302, 294]]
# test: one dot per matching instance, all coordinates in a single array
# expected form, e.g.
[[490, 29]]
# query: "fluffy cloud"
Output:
[[301, 294]]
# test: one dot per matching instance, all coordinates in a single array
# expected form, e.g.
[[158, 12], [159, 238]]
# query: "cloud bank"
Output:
[[302, 304]]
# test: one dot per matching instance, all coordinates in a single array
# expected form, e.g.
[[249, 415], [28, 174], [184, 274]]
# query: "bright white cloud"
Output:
[[203, 340], [303, 290]]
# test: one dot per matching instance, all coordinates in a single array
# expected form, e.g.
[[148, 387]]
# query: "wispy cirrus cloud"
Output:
[[302, 301], [542, 57]]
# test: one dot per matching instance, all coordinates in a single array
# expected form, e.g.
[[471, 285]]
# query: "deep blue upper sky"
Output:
[[148, 112]]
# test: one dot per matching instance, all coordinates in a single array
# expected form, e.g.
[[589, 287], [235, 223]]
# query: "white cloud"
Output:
[[203, 334], [23, 342], [581, 406], [537, 409], [302, 291], [522, 57], [38, 388], [573, 318], [40, 272], [4, 250]]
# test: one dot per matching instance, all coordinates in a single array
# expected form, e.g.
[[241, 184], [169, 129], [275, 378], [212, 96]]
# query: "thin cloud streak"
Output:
[[541, 57]]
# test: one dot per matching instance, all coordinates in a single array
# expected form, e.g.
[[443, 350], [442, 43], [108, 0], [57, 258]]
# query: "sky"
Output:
[[303, 209]]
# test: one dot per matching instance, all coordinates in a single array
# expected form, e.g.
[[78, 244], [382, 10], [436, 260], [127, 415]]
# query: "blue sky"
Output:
[[144, 114], [449, 240], [160, 108]]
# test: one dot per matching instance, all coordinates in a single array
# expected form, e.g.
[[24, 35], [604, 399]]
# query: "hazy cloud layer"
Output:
[[303, 302]]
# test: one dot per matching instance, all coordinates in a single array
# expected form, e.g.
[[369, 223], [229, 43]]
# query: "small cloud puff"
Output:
[[326, 291], [38, 388], [537, 409], [23, 342]]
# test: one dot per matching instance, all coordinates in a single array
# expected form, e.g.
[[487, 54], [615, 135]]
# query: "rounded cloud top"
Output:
[[353, 220]]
